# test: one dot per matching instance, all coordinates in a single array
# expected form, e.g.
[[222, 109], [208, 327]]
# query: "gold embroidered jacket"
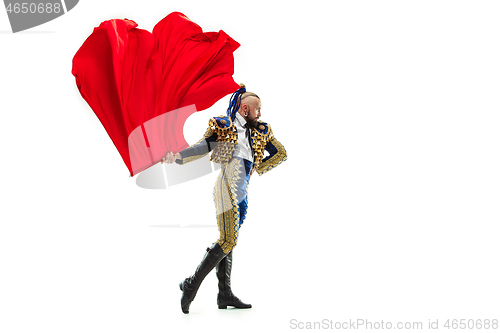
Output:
[[221, 138]]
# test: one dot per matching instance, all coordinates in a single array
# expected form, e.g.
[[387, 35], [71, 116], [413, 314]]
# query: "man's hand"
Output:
[[170, 158]]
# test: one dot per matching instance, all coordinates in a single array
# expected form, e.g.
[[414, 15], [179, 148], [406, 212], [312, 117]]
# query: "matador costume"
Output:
[[225, 138], [131, 78]]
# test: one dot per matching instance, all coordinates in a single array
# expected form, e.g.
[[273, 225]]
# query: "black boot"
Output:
[[190, 285], [226, 297]]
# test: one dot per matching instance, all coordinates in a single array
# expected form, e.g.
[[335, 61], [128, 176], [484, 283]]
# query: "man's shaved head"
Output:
[[250, 108]]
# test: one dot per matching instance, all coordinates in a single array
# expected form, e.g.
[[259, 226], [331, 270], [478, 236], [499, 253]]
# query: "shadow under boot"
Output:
[[226, 297], [190, 285]]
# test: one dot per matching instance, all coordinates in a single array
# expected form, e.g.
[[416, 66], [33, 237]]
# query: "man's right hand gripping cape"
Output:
[[221, 138]]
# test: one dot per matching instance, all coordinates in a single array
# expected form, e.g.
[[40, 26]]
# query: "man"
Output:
[[238, 142]]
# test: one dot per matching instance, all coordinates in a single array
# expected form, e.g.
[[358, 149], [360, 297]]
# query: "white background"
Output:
[[386, 209]]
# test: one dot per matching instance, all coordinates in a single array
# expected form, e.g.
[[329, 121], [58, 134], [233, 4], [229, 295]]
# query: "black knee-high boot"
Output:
[[226, 297], [190, 285]]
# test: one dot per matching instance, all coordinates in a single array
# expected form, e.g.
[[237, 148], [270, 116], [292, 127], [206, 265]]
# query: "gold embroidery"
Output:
[[275, 160], [259, 142], [227, 138], [226, 204]]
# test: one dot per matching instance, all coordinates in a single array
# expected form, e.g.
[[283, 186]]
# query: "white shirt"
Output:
[[242, 148]]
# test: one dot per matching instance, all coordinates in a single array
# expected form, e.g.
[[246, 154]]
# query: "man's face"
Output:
[[251, 106]]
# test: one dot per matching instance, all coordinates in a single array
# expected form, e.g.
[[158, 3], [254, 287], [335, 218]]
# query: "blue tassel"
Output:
[[234, 103]]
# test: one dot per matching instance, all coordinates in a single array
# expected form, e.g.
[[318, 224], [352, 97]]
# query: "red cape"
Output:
[[144, 86]]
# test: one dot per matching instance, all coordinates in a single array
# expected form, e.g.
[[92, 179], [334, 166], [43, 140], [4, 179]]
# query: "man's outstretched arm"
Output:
[[196, 151]]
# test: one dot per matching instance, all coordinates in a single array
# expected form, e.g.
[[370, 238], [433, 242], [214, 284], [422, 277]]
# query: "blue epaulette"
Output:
[[262, 128], [223, 122]]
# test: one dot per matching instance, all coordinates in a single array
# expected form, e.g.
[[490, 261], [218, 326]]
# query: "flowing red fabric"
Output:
[[143, 86]]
